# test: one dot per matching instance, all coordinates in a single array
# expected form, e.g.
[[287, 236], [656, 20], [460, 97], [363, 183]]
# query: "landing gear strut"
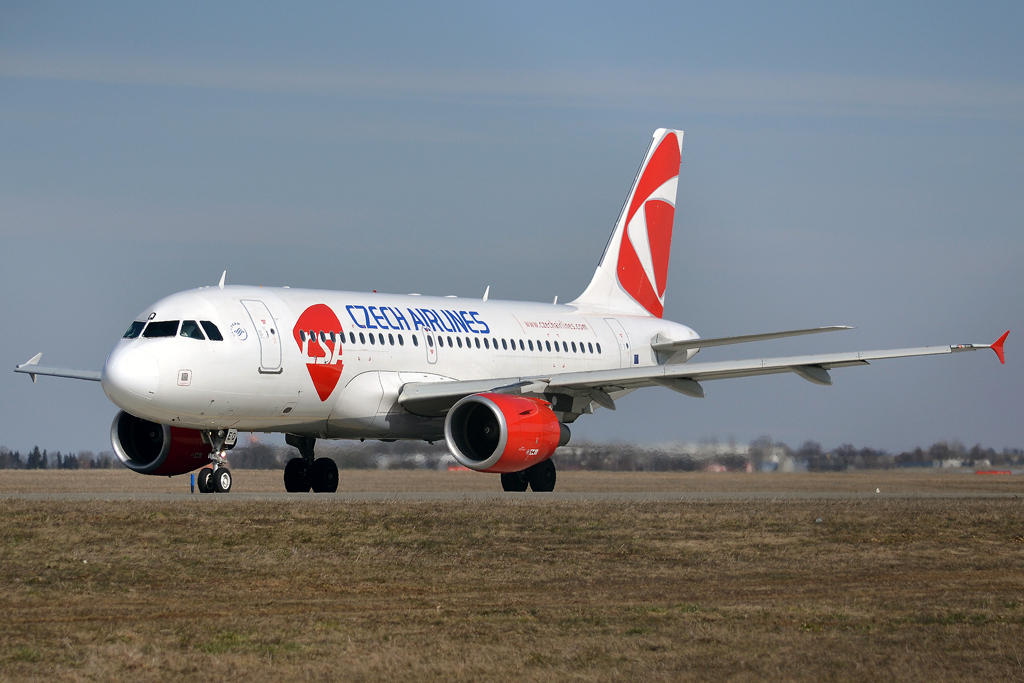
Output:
[[217, 478], [539, 477], [309, 472]]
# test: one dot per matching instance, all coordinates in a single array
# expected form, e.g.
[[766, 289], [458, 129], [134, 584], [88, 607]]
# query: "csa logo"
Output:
[[239, 332], [318, 334]]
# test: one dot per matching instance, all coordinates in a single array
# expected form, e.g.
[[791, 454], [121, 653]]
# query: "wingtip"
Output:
[[998, 347]]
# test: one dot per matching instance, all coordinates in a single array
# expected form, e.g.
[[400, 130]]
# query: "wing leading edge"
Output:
[[436, 398]]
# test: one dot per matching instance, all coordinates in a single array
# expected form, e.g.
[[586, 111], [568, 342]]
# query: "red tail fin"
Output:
[[632, 275]]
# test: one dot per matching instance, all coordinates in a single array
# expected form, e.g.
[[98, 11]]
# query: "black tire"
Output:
[[514, 481], [203, 480], [542, 476], [222, 480], [324, 477], [296, 476]]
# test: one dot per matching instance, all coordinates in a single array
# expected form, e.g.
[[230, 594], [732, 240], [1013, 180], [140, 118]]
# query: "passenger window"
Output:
[[352, 337], [574, 347], [164, 328], [487, 344], [548, 345], [504, 344], [539, 348], [333, 337], [190, 329], [415, 340], [361, 339], [459, 339], [401, 342], [450, 342], [212, 333], [430, 340], [391, 339], [476, 340], [590, 347], [373, 339], [565, 347], [599, 347], [531, 344], [468, 343], [522, 346], [302, 335], [134, 330]]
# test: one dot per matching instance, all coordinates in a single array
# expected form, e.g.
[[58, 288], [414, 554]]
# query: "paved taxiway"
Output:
[[660, 496]]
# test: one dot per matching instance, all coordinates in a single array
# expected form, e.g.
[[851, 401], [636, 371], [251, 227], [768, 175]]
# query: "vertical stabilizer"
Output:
[[632, 275]]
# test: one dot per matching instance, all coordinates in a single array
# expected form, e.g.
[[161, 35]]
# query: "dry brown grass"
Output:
[[889, 481], [916, 590]]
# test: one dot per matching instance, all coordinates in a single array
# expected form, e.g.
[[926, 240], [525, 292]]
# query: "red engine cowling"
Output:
[[502, 433], [150, 448]]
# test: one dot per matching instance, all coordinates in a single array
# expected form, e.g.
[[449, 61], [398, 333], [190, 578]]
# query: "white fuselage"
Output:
[[269, 375]]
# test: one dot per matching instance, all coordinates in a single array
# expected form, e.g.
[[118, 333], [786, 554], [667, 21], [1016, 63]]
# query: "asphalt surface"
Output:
[[661, 496]]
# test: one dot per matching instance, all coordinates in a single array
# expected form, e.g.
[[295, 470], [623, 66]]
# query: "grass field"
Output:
[[534, 590]]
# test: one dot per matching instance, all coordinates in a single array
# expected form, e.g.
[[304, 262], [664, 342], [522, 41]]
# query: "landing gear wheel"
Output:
[[542, 476], [203, 480], [222, 480], [296, 476], [324, 476], [515, 481]]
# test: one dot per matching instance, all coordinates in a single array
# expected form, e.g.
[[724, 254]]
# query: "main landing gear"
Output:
[[309, 472], [539, 477], [217, 479]]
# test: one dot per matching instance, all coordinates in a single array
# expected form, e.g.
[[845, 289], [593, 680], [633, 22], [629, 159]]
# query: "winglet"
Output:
[[998, 347], [487, 292], [32, 361], [222, 276]]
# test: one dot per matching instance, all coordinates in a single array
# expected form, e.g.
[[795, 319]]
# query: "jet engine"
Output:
[[502, 432], [151, 448]]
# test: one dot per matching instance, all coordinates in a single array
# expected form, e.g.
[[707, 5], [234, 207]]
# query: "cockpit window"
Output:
[[211, 330], [163, 328], [135, 330], [190, 328]]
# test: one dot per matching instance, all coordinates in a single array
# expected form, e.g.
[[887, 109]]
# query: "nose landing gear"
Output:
[[309, 472], [217, 479]]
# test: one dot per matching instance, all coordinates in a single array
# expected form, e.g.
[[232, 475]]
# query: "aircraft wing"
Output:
[[33, 370], [435, 398], [674, 346]]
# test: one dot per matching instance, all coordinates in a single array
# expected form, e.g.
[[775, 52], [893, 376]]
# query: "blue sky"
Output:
[[858, 165]]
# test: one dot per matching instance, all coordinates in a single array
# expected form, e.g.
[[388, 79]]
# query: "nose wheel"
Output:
[[214, 480], [217, 479]]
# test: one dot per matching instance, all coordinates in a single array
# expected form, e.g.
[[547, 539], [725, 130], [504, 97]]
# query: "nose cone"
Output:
[[130, 375]]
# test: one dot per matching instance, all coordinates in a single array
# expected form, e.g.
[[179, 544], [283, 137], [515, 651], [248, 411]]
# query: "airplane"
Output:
[[498, 381]]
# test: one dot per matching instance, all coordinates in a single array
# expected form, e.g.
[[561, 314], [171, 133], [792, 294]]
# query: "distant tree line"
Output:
[[41, 460], [762, 454]]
